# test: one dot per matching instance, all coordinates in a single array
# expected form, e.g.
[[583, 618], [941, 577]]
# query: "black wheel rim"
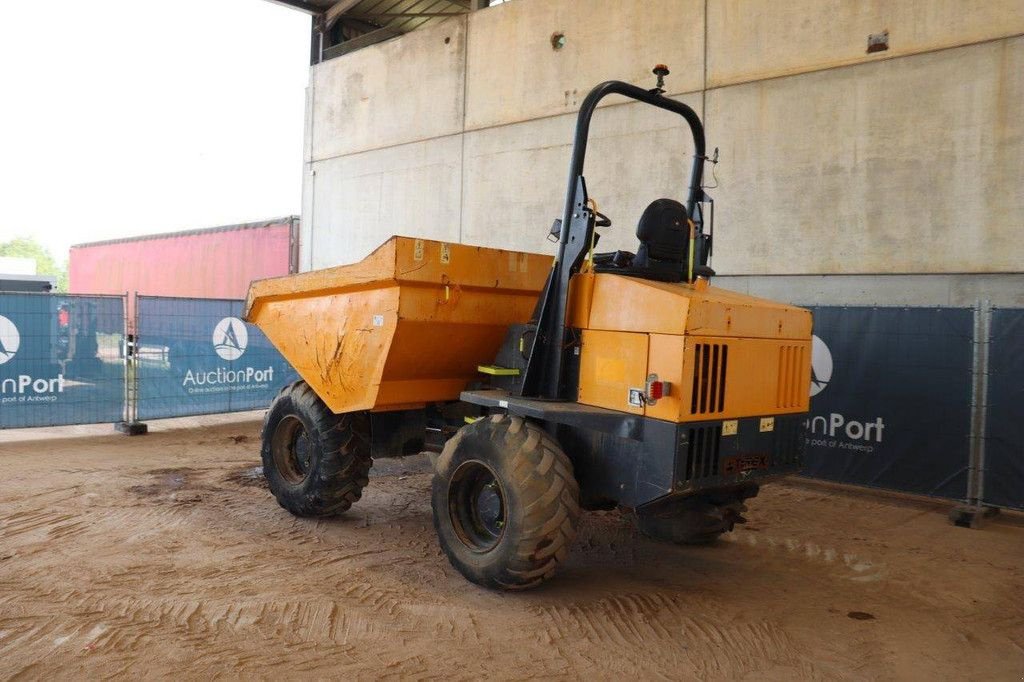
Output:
[[292, 450], [476, 506]]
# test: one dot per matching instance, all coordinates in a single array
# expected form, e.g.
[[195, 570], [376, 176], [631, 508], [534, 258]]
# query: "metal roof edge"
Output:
[[282, 220], [14, 277], [301, 5]]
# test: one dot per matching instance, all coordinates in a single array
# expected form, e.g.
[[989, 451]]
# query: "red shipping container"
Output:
[[218, 262]]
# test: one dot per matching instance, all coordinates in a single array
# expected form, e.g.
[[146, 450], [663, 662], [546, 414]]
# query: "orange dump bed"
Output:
[[406, 326]]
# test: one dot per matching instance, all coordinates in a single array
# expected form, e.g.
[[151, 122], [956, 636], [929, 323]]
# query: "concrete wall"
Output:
[[903, 165], [953, 290], [833, 160], [514, 75]]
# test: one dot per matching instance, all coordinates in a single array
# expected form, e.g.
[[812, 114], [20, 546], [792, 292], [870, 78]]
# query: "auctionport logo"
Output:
[[836, 431], [23, 388], [230, 338], [821, 366], [10, 339]]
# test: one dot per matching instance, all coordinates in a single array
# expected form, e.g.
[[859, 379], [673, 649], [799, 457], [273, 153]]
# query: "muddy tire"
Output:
[[316, 462], [505, 503]]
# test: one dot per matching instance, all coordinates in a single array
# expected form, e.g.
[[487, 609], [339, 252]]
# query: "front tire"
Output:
[[316, 462], [505, 503]]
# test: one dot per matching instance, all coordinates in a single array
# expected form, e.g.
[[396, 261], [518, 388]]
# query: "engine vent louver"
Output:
[[791, 368], [702, 452], [709, 372]]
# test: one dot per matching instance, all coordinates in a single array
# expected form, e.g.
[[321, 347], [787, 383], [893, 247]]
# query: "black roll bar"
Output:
[[579, 143]]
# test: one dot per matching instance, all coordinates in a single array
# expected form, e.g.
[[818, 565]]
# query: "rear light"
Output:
[[657, 389]]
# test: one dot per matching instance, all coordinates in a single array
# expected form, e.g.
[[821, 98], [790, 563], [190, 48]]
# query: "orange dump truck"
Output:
[[588, 381]]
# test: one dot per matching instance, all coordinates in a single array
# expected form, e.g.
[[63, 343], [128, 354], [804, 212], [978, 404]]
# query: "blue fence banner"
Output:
[[197, 356], [61, 359], [891, 398], [1003, 483]]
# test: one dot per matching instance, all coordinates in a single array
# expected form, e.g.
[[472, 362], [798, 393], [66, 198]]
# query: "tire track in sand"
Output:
[[659, 629]]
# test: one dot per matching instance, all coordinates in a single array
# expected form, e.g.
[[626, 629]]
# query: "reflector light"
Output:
[[658, 390]]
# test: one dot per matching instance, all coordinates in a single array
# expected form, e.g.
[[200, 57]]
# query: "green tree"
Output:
[[27, 247]]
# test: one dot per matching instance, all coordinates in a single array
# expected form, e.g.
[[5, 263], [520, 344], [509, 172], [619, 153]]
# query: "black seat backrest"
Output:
[[664, 233]]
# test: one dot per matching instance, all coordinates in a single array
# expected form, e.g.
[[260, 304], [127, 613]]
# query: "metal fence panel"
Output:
[[197, 356], [61, 359], [891, 398], [1003, 483]]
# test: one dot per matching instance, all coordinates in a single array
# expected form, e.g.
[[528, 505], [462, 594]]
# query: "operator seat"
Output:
[[663, 235], [663, 231]]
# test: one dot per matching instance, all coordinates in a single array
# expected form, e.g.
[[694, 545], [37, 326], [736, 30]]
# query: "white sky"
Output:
[[125, 117]]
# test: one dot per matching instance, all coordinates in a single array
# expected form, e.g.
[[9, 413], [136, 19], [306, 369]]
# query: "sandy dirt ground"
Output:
[[165, 556]]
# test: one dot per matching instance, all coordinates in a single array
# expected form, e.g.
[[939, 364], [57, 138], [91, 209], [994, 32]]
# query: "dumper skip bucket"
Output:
[[406, 326]]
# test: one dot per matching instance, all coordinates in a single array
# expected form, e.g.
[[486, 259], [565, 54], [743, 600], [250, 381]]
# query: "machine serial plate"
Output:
[[737, 465]]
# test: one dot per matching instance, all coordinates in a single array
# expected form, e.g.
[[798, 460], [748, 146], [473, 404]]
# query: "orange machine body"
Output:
[[406, 326], [721, 354], [411, 323]]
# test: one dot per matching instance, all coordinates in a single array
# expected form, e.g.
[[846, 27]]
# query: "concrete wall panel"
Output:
[[514, 74], [399, 91], [307, 124], [363, 199], [516, 176], [960, 290], [308, 190], [908, 165], [306, 226], [755, 39]]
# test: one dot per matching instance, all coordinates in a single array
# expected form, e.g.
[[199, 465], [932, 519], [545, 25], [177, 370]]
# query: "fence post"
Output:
[[131, 426], [971, 514], [126, 352], [138, 346]]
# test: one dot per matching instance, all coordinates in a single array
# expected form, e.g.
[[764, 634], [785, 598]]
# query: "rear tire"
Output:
[[316, 462], [505, 503]]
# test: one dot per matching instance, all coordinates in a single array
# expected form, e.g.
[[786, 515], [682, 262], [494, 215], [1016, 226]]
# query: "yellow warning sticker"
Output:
[[767, 423], [417, 250], [729, 427], [446, 253]]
